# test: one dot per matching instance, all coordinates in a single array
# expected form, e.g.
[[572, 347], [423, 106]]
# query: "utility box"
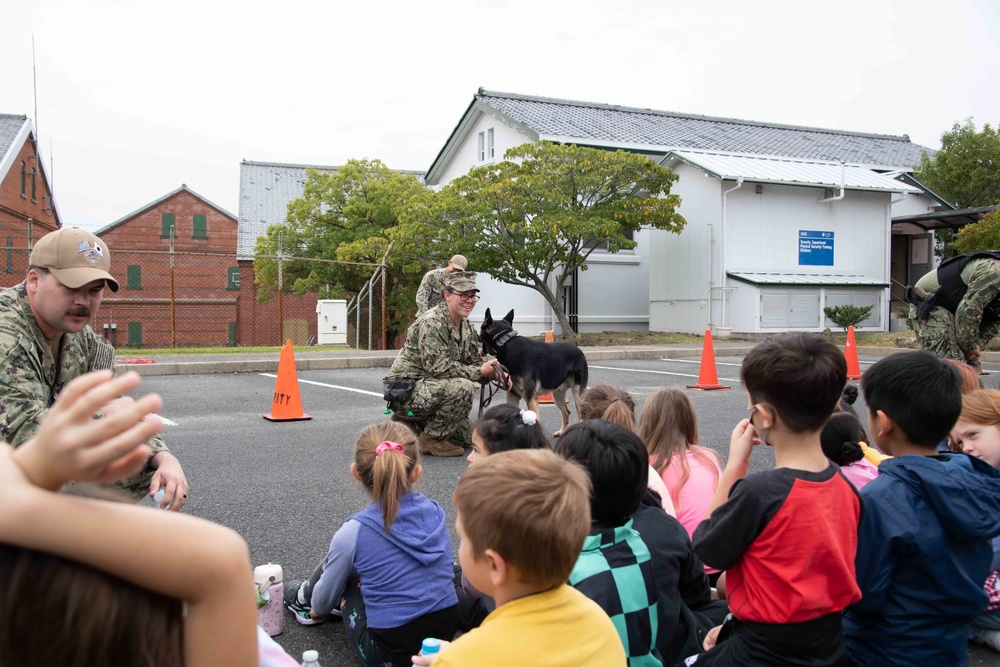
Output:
[[331, 323]]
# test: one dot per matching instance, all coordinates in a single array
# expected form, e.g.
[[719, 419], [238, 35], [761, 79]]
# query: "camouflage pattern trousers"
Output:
[[440, 408], [937, 334]]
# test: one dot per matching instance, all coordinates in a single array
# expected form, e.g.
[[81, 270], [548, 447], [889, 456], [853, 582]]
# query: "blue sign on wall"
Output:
[[815, 248]]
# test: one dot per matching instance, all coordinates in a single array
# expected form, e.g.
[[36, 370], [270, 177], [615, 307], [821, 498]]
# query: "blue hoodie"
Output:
[[404, 574], [924, 553]]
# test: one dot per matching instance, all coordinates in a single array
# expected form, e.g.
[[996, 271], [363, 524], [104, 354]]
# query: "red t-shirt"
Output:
[[787, 540]]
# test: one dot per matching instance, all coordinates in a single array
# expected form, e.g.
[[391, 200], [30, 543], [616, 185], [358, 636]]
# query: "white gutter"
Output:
[[843, 183], [722, 246]]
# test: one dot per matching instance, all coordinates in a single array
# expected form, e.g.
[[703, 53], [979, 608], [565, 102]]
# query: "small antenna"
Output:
[[34, 84]]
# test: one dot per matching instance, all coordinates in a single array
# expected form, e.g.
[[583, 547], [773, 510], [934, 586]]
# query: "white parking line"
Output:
[[692, 361], [331, 386], [639, 370]]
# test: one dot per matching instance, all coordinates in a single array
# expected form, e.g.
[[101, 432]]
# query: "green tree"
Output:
[[536, 217], [965, 172], [982, 235], [344, 216]]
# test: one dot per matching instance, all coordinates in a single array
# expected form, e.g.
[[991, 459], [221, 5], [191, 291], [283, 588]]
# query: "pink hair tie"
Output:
[[385, 446]]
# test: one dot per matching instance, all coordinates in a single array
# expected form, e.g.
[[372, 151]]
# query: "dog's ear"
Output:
[[489, 319], [509, 317]]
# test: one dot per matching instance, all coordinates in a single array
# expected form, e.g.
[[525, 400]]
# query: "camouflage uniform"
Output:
[[443, 357], [32, 378], [956, 336], [429, 292]]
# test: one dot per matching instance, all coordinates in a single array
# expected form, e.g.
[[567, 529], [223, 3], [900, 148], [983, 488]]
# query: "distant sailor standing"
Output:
[[429, 293]]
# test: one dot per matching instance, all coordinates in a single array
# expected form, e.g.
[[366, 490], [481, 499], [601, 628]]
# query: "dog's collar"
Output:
[[499, 340]]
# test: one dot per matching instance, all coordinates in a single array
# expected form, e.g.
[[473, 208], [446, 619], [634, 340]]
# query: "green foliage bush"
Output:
[[848, 315]]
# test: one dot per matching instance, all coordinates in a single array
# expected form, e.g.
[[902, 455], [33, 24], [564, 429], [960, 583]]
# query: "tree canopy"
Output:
[[966, 171], [982, 235], [344, 216], [534, 218]]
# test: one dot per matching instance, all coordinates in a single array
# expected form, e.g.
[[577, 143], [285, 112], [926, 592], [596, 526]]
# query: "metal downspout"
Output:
[[722, 246]]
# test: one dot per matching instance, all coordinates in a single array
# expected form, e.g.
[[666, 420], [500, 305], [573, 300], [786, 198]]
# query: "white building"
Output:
[[781, 220]]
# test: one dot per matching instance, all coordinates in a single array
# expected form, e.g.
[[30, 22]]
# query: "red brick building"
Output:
[[175, 259], [27, 210]]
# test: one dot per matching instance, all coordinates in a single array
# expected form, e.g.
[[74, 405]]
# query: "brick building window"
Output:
[[135, 334], [169, 221], [23, 194], [34, 174], [134, 277], [200, 227]]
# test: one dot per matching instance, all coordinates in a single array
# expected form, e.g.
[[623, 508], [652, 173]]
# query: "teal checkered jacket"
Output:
[[615, 571]]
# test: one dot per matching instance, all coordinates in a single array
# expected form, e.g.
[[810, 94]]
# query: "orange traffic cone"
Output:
[[708, 376], [851, 352], [287, 404], [547, 398]]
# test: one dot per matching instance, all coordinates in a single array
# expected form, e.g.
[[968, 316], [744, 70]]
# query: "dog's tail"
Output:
[[581, 373]]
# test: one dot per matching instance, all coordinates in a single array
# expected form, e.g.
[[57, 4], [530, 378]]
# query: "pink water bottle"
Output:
[[267, 579]]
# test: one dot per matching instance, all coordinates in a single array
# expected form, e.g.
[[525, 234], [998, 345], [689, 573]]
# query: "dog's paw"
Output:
[[557, 434]]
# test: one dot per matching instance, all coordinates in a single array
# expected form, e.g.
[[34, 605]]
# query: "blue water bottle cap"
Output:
[[430, 646]]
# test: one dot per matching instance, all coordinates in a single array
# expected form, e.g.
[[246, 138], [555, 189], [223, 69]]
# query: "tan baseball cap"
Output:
[[458, 263], [74, 256]]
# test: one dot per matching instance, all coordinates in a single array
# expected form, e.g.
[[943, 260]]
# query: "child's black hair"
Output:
[[840, 438], [505, 427], [919, 392], [618, 465], [847, 400], [801, 375]]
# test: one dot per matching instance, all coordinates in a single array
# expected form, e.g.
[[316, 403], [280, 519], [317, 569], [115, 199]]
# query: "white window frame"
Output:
[[481, 150], [489, 143]]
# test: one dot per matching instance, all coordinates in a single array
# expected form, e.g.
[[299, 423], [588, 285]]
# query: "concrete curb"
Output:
[[383, 359]]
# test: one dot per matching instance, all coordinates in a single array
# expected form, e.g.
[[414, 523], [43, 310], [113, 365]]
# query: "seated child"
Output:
[[846, 404], [502, 428], [617, 406], [522, 518], [977, 433], [87, 581], [785, 537], [615, 569], [924, 542], [389, 568], [841, 439], [669, 427]]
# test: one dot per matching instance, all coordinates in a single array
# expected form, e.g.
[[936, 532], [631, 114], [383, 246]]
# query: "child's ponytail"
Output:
[[384, 459]]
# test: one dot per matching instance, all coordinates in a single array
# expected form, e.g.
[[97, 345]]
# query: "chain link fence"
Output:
[[189, 299]]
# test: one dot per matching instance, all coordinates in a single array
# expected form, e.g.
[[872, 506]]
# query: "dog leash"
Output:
[[499, 380]]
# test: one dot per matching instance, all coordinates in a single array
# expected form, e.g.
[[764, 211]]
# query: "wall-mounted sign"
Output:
[[815, 248]]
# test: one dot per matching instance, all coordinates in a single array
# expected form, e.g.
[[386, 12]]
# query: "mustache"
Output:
[[79, 312]]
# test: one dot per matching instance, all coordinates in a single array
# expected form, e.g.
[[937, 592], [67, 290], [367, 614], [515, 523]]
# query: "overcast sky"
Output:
[[136, 97]]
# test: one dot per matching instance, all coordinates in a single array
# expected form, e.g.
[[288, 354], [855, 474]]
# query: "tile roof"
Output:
[[611, 125], [770, 169], [265, 190], [11, 127]]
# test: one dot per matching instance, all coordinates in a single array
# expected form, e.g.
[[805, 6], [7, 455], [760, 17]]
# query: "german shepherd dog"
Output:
[[536, 368]]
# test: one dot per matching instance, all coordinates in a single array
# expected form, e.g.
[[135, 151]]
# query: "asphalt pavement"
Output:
[[286, 487]]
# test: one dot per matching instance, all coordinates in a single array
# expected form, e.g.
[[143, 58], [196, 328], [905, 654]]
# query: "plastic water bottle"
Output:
[[158, 498], [430, 646], [310, 659], [271, 615]]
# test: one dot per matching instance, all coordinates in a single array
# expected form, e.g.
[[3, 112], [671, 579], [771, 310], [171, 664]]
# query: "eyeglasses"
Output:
[[466, 297]]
